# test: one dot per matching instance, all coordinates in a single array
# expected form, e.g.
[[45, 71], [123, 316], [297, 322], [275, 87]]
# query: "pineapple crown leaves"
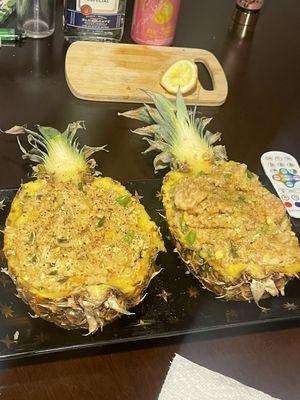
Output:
[[178, 134], [57, 153]]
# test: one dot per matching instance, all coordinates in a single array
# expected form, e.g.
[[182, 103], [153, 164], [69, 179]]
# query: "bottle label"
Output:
[[154, 21], [6, 8], [98, 6], [250, 4], [94, 14]]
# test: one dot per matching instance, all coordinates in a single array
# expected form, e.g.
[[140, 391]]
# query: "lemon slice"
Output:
[[182, 74]]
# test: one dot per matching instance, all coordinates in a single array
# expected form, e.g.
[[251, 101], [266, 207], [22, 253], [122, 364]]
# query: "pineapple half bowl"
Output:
[[80, 248], [232, 233]]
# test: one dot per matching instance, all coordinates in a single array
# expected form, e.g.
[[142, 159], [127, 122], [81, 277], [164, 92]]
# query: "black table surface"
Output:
[[261, 113]]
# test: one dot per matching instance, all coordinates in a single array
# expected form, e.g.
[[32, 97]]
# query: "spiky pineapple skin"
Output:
[[211, 280], [79, 309], [70, 312]]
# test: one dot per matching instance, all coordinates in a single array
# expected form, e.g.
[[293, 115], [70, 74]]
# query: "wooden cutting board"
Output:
[[118, 72]]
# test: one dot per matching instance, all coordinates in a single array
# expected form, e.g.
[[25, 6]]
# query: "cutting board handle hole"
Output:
[[204, 76]]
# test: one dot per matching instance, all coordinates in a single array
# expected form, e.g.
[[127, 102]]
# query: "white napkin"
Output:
[[189, 381]]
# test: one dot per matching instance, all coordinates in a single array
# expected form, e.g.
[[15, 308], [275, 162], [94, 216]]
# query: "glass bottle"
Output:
[[250, 5], [96, 20], [246, 12]]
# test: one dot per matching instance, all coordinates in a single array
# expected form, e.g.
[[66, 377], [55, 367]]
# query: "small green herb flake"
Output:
[[265, 228], [101, 222], [63, 280], [80, 186], [201, 173], [34, 259], [183, 226], [53, 273], [123, 200], [227, 175], [129, 235], [249, 174], [233, 250], [210, 254], [61, 240], [39, 197], [191, 237], [31, 238], [242, 198]]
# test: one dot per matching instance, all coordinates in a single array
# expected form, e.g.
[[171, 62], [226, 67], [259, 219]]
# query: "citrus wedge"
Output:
[[183, 75]]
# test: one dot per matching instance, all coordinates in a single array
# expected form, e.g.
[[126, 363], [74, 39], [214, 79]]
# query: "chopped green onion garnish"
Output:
[[63, 280], [249, 174], [39, 197], [101, 222], [53, 273], [80, 186], [34, 259], [265, 228], [227, 175], [191, 237], [124, 200], [61, 240], [129, 235], [31, 238], [201, 173], [183, 226], [233, 250], [242, 198], [210, 254]]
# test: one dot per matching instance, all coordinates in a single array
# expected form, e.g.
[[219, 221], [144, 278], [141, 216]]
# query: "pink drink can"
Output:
[[154, 21]]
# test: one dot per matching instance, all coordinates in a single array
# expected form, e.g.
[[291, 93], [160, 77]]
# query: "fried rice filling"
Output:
[[230, 218], [67, 234]]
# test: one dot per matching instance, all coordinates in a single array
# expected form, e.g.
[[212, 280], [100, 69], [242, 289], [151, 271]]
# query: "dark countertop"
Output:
[[261, 113]]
